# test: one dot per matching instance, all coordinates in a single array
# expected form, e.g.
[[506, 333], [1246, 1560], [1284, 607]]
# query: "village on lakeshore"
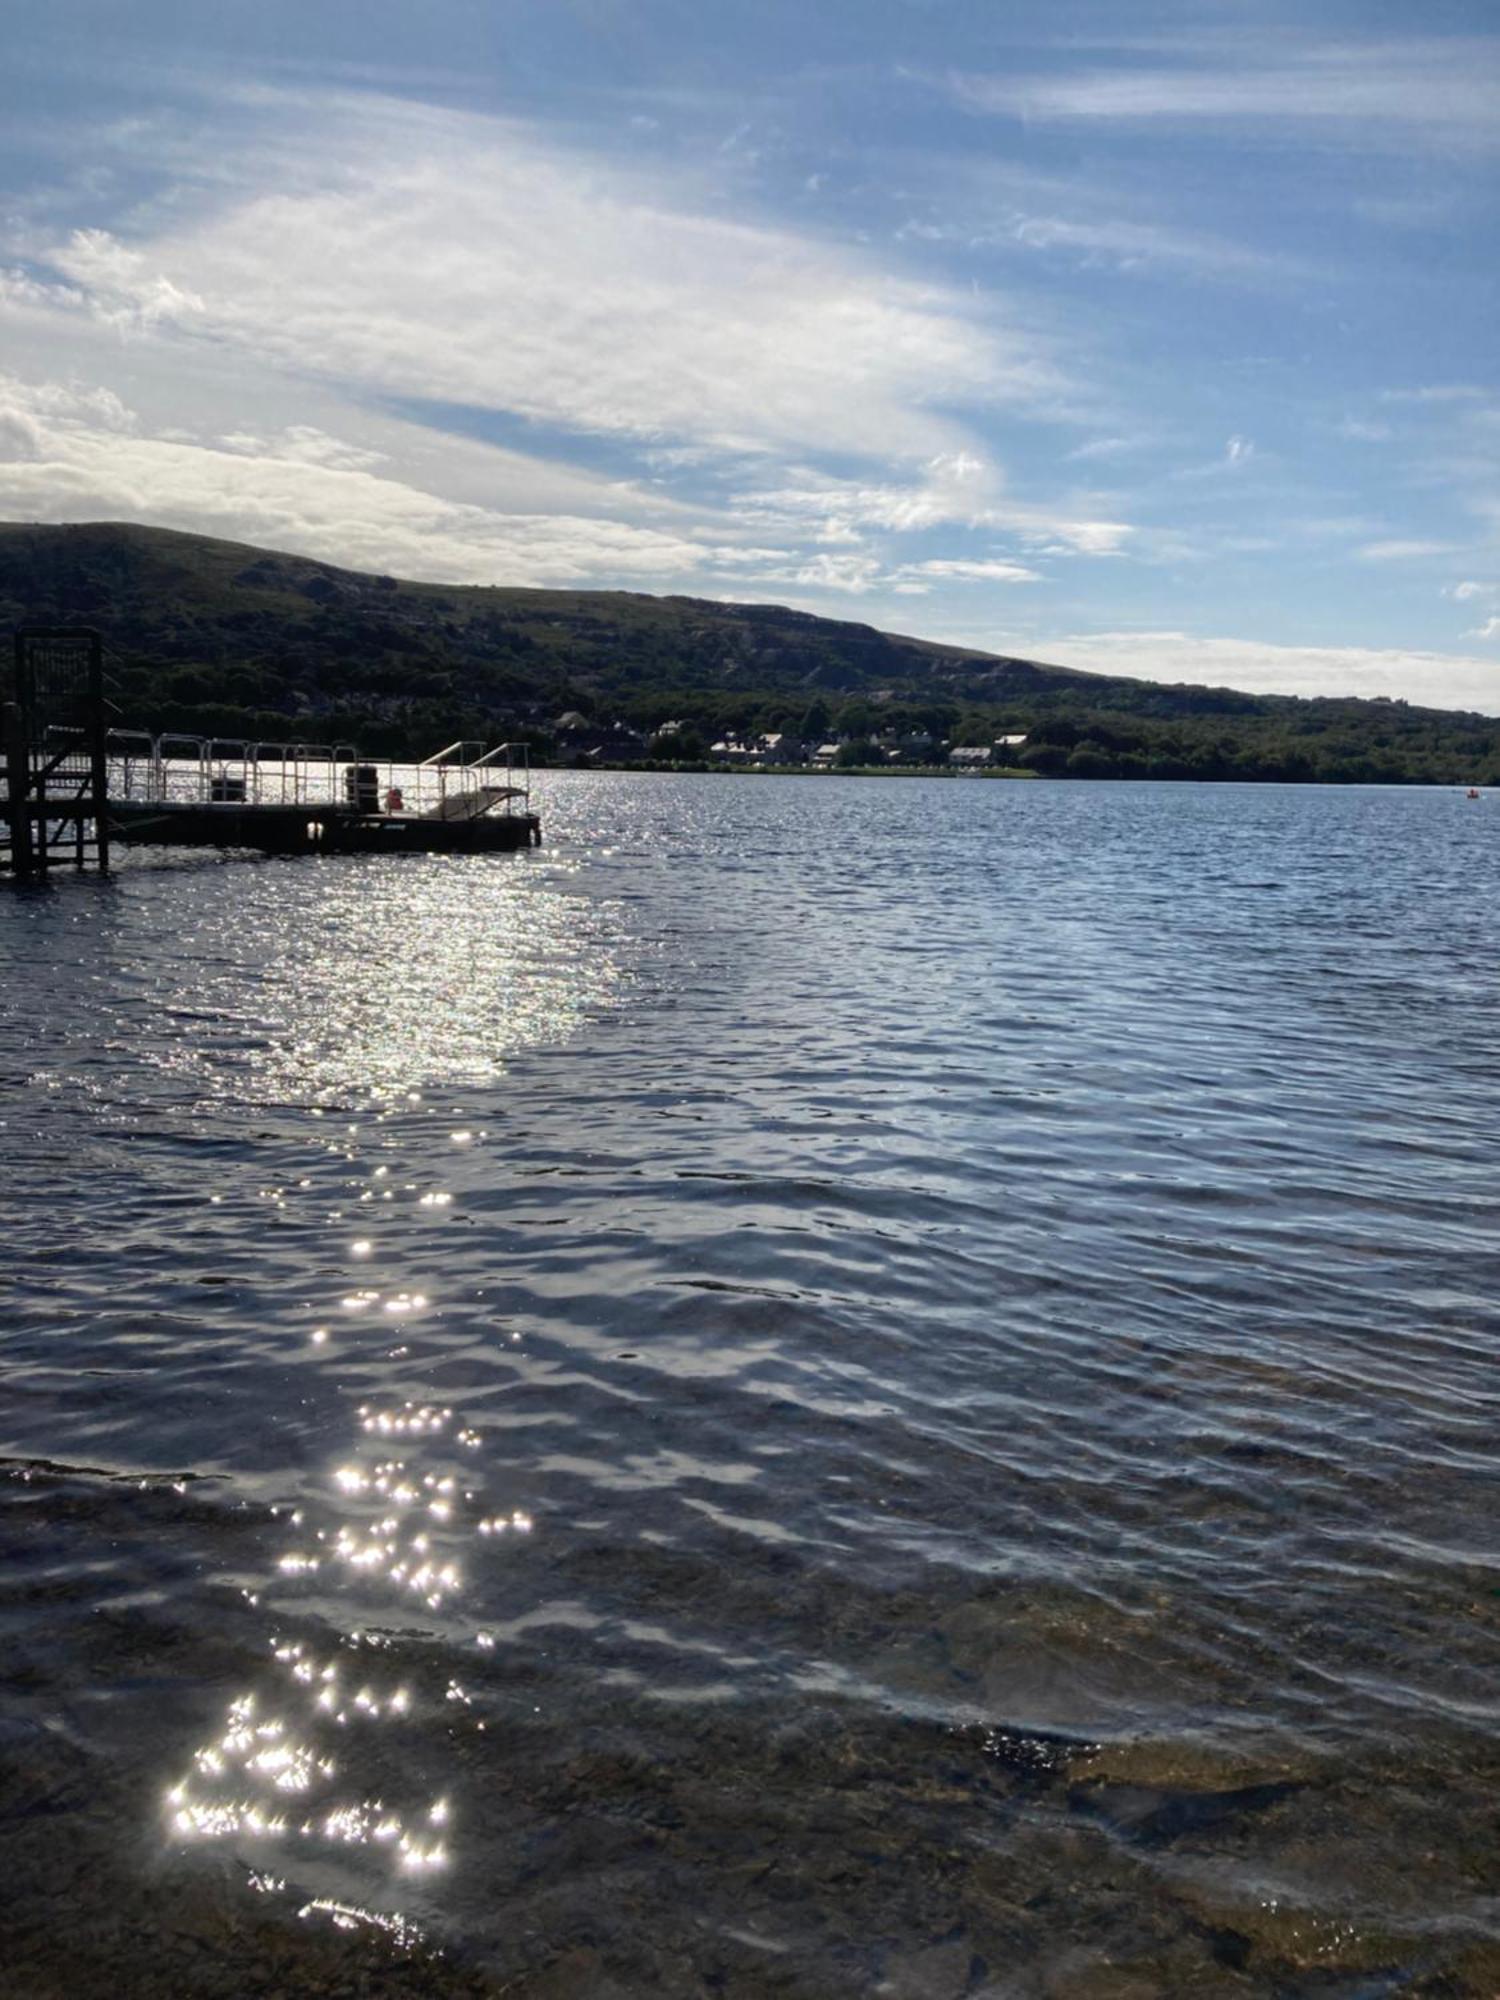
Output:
[[604, 745]]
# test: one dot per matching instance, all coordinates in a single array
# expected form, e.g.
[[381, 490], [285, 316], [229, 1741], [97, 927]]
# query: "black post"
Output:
[[18, 789], [41, 860], [98, 734]]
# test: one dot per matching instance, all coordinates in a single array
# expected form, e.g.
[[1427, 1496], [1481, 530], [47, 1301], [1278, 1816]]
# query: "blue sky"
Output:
[[1157, 339]]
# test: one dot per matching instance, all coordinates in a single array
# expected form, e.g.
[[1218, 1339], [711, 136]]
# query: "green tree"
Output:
[[854, 718], [814, 724]]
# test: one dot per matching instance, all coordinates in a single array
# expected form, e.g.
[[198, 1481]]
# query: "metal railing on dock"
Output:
[[469, 785], [179, 770], [461, 781]]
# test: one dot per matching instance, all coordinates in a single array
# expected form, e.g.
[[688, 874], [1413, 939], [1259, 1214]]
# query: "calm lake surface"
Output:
[[821, 1388]]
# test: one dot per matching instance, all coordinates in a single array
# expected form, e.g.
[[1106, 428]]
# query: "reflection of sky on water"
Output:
[[387, 978]]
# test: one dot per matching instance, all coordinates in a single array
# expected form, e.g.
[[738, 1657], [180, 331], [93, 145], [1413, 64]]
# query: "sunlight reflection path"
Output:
[[304, 1775], [328, 1776], [399, 978]]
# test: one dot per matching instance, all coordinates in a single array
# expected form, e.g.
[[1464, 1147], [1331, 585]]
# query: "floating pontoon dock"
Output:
[[72, 786]]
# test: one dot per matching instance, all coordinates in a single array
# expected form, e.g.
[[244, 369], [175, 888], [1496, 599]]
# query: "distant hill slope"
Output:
[[222, 636]]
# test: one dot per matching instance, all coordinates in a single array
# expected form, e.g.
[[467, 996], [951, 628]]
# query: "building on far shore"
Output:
[[759, 751], [975, 756]]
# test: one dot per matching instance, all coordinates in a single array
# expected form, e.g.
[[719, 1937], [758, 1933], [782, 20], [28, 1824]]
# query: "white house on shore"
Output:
[[973, 757]]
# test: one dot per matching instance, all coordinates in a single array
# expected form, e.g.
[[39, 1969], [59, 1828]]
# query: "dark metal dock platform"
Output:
[[273, 829], [72, 787]]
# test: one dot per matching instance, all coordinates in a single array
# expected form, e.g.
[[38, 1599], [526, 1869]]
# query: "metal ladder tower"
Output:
[[54, 780]]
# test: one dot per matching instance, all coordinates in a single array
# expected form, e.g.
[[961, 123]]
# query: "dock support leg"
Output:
[[18, 792], [98, 755]]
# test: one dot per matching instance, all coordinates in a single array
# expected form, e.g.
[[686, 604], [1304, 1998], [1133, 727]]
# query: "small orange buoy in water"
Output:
[[1473, 792]]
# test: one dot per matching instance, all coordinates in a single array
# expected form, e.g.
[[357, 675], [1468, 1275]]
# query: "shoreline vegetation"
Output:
[[946, 771], [222, 639]]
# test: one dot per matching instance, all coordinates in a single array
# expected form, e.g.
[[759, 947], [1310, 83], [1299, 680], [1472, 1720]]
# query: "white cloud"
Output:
[[1062, 536], [1464, 592], [855, 574], [954, 489], [304, 444], [68, 454], [1238, 454], [417, 253], [1403, 551], [972, 572], [1380, 93], [1105, 447], [1490, 629], [1360, 430], [745, 558], [1115, 242], [1437, 680], [66, 405], [194, 394], [1436, 392]]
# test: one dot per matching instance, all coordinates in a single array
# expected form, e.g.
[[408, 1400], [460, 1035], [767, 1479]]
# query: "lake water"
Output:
[[823, 1387]]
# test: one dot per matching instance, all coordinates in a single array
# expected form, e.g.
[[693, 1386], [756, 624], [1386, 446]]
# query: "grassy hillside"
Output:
[[213, 635]]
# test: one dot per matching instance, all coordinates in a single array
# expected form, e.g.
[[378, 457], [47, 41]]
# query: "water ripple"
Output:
[[807, 1365]]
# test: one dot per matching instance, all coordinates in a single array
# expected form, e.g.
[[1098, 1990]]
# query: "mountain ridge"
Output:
[[230, 637]]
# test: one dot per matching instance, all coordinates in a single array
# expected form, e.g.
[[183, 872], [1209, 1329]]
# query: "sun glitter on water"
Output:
[[391, 979]]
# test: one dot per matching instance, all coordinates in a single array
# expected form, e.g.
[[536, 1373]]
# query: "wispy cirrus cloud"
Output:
[[859, 573], [1438, 392], [1398, 550], [980, 570], [1379, 93], [1064, 226], [959, 489], [1031, 224], [1364, 430], [1108, 448]]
